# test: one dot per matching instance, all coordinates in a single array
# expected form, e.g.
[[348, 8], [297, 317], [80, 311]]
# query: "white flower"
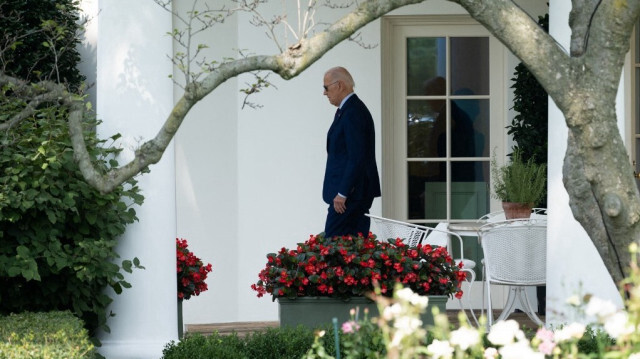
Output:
[[465, 337], [574, 300], [519, 350], [634, 356], [490, 353], [392, 312], [415, 299], [440, 349], [505, 332], [420, 301], [407, 324], [618, 325], [600, 308], [571, 331], [404, 294]]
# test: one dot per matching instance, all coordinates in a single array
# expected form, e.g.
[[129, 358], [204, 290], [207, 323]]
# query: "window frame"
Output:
[[395, 30]]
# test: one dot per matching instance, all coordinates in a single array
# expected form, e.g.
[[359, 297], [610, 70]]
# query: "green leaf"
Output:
[[126, 265], [51, 216], [13, 271], [91, 217], [117, 288], [23, 252]]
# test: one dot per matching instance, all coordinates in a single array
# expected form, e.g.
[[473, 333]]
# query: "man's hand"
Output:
[[339, 204]]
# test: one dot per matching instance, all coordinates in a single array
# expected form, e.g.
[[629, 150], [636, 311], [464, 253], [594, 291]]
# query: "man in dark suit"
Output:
[[351, 179]]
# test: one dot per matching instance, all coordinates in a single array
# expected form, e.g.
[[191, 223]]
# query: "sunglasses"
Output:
[[326, 87]]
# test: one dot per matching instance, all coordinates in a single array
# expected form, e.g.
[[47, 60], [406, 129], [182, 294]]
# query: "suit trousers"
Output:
[[351, 222]]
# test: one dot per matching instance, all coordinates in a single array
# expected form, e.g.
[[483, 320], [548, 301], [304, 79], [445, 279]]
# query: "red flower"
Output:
[[192, 273], [346, 266], [349, 280], [310, 269]]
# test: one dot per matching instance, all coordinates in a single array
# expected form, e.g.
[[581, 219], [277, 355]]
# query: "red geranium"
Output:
[[350, 266], [192, 273]]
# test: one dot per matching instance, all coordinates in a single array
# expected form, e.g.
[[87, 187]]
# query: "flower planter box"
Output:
[[316, 311]]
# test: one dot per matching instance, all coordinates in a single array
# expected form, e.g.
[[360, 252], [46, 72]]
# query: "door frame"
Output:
[[394, 196]]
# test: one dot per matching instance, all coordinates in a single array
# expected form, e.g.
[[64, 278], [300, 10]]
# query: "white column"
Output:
[[134, 96]]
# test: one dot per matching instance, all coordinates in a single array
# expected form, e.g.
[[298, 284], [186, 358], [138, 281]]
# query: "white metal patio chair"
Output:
[[515, 253], [413, 234], [498, 216]]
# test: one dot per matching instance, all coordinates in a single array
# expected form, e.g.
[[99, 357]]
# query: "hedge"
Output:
[[46, 335]]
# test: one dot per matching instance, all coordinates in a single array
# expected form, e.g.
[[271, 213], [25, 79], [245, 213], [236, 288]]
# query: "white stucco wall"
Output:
[[272, 161], [207, 181], [573, 263]]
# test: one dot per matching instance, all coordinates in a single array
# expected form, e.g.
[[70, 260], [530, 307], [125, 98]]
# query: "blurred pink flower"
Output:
[[350, 326]]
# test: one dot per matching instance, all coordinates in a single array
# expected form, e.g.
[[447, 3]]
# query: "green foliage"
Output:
[[594, 341], [57, 233], [530, 126], [519, 181], [274, 343], [52, 335], [40, 38], [278, 343], [366, 342]]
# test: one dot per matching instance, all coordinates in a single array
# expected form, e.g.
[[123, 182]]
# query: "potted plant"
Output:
[[192, 274], [336, 274], [519, 185]]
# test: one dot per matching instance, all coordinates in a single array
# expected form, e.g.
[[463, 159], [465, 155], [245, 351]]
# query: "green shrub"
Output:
[[53, 335], [276, 343], [200, 347], [284, 343], [57, 234], [40, 39]]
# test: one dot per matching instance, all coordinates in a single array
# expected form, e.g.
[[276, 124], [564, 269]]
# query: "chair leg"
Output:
[[464, 308], [489, 309], [529, 308], [509, 307]]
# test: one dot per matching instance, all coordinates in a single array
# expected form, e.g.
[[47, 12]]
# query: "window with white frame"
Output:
[[443, 115]]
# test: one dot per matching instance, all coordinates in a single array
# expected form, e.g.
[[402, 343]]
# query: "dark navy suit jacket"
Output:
[[351, 164]]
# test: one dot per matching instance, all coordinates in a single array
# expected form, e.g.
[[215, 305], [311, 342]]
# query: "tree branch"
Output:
[[543, 56]]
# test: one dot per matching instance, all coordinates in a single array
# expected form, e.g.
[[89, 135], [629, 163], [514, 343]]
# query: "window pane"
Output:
[[469, 189], [470, 128], [470, 65], [426, 128], [426, 59], [427, 190]]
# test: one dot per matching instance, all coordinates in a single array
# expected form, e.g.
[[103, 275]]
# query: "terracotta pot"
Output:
[[513, 210]]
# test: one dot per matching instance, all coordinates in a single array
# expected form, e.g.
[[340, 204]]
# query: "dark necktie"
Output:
[[337, 115]]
